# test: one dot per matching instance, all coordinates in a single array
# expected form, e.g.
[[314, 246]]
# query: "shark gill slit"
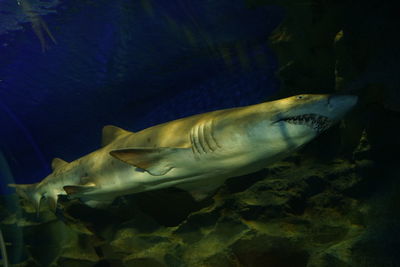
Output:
[[196, 136], [195, 141], [206, 135], [212, 133], [191, 142], [209, 136], [200, 134]]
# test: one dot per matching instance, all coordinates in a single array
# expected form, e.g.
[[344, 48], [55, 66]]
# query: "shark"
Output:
[[196, 153]]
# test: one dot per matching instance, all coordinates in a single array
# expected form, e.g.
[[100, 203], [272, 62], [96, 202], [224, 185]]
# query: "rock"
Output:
[[262, 250], [305, 214]]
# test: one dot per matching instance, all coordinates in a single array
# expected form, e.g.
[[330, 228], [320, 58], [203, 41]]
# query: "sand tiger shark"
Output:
[[196, 153]]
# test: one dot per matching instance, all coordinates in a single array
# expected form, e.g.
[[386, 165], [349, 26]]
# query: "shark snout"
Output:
[[341, 104], [342, 101]]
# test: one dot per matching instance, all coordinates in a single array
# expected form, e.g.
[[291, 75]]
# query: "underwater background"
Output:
[[127, 63], [67, 68]]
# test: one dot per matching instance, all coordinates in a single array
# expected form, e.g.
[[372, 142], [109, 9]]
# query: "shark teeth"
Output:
[[316, 122]]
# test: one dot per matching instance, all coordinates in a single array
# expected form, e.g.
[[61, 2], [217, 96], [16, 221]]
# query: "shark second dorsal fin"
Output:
[[57, 163], [110, 133], [156, 161]]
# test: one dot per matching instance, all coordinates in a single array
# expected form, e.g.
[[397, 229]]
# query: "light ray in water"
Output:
[[12, 204], [39, 26], [3, 250]]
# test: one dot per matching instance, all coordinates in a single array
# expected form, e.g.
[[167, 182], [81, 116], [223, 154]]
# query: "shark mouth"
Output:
[[316, 122]]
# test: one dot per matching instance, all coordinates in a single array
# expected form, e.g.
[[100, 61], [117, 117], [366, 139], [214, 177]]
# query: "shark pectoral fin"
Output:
[[156, 161], [79, 189], [57, 163], [110, 133]]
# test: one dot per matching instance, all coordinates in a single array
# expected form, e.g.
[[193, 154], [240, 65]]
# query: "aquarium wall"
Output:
[[68, 68]]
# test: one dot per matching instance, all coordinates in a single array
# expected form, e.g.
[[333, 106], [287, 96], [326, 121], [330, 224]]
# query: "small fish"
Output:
[[39, 26], [196, 153]]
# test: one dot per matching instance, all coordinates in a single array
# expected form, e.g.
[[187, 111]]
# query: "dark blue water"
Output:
[[128, 63]]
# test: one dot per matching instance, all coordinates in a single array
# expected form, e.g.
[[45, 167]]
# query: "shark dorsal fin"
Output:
[[57, 163], [110, 133], [156, 161]]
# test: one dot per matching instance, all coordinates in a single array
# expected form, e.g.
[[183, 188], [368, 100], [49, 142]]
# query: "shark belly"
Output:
[[114, 178]]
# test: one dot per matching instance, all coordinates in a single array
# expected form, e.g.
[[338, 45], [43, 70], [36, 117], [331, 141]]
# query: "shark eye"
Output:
[[300, 97]]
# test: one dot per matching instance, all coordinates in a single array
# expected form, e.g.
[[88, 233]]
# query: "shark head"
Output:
[[315, 113], [291, 122]]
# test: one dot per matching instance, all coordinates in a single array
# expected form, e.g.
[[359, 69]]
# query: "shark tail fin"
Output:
[[28, 192]]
